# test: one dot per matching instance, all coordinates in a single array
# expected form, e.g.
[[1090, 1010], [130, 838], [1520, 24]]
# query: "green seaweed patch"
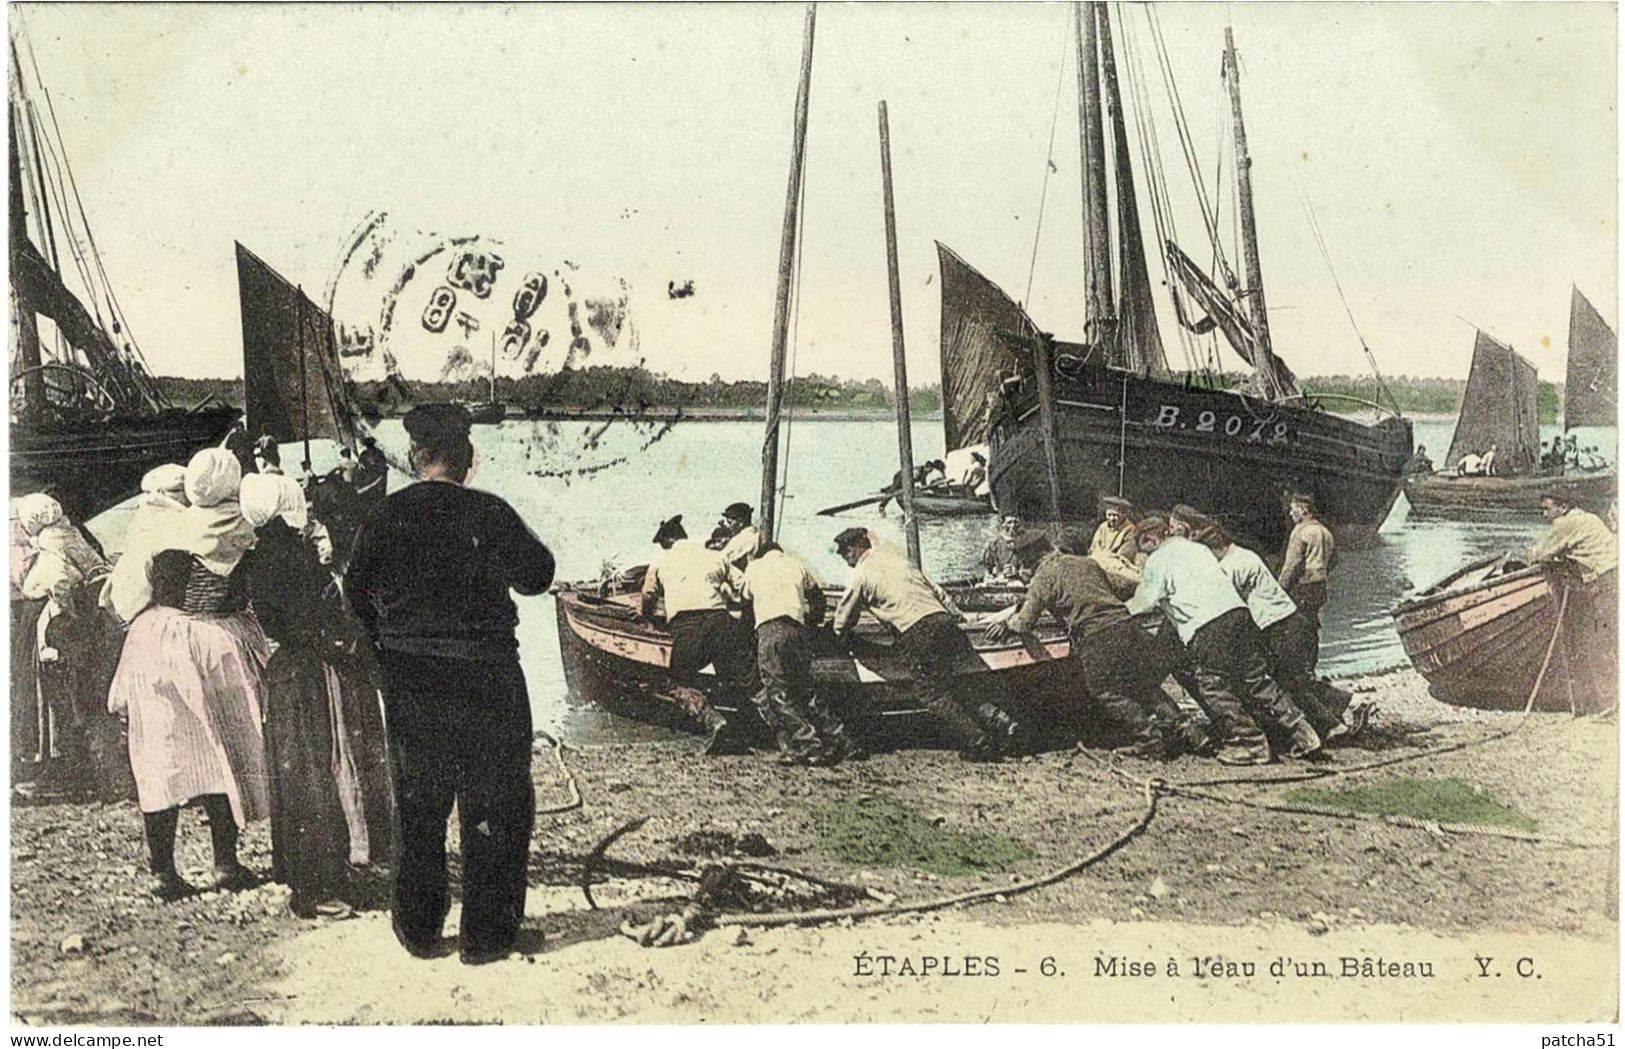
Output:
[[877, 830], [1436, 800]]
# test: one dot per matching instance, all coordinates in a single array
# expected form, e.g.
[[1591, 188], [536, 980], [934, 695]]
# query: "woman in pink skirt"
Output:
[[189, 678]]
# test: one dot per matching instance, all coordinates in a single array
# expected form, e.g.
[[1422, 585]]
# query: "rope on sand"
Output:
[[1151, 789], [574, 800]]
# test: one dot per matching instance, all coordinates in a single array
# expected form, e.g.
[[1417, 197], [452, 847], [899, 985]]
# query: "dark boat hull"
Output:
[[938, 504], [1489, 498], [1481, 642], [487, 413], [615, 662], [1235, 457], [95, 466]]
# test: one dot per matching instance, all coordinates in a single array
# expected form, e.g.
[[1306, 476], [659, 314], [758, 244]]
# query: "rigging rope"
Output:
[[1049, 165], [1325, 254]]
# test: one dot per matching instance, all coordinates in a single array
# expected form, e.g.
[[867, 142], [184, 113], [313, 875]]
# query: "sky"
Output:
[[1460, 159]]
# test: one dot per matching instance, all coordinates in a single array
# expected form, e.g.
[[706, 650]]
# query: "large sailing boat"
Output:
[[87, 420], [1498, 410], [1070, 422]]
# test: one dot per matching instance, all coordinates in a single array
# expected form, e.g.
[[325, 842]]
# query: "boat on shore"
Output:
[[1488, 634], [1498, 410], [87, 419], [617, 660], [1070, 422]]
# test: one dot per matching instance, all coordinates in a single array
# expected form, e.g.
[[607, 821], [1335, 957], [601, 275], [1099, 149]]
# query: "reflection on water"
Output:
[[609, 518]]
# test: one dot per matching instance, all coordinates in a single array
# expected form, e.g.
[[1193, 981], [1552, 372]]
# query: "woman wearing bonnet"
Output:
[[189, 679]]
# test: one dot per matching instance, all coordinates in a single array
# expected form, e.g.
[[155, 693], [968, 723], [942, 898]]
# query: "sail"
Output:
[[1138, 343], [293, 387], [1593, 376], [1498, 410], [979, 326], [1237, 329]]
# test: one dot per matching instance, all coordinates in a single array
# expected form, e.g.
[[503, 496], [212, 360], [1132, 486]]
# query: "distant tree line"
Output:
[[601, 388]]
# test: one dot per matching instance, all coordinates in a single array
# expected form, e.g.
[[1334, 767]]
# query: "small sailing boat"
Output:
[[87, 419], [618, 660], [1070, 422], [1498, 411]]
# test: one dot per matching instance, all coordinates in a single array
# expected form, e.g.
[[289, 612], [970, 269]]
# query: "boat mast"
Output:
[[1138, 344], [493, 366], [22, 309], [905, 440], [1264, 358], [1097, 321], [304, 381], [781, 305]]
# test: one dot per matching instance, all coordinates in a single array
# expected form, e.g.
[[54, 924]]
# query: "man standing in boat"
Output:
[[1310, 554], [697, 587], [1111, 649], [1584, 541], [936, 650], [999, 561], [1184, 580], [744, 539], [788, 603], [430, 579]]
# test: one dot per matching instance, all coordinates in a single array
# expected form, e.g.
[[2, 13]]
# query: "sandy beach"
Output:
[[1213, 884]]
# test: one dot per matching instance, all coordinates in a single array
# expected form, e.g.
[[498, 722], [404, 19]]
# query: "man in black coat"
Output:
[[430, 578]]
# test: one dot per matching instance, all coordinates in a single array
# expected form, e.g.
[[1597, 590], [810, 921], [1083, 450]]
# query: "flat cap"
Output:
[[1116, 502], [440, 423], [851, 537], [738, 512], [671, 528]]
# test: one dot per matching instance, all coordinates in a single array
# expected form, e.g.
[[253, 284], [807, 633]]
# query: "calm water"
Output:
[[609, 516]]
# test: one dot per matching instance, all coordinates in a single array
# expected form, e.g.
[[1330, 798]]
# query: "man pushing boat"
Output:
[[936, 650]]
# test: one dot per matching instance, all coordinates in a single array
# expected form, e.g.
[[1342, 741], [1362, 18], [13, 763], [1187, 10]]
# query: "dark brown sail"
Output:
[[1498, 410], [979, 322], [1593, 375], [293, 387]]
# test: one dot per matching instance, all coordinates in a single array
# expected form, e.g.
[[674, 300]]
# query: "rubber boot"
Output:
[[166, 883]]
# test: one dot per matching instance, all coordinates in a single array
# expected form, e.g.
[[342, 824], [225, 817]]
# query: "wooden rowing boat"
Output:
[[1481, 637], [617, 660], [1491, 498], [950, 502]]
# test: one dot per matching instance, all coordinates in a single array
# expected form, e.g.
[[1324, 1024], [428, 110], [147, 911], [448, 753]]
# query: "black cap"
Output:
[[1073, 540], [738, 512], [1116, 502], [369, 442], [671, 528], [434, 425], [851, 537]]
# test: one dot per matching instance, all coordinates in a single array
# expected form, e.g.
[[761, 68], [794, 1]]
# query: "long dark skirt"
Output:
[[327, 757]]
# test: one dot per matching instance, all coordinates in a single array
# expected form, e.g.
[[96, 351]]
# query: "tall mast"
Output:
[[22, 309], [905, 440], [1097, 321], [781, 305], [1264, 358], [1138, 344]]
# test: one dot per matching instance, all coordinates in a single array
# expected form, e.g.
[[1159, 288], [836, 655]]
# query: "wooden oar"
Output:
[[866, 501]]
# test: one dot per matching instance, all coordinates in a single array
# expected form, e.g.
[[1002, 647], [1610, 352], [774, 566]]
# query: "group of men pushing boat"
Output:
[[1242, 643]]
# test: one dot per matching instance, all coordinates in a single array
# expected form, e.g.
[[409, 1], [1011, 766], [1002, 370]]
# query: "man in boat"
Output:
[[1115, 534], [1418, 463], [1555, 458], [430, 580], [937, 652], [788, 604], [697, 588], [1117, 658], [977, 474], [1584, 542], [1310, 555], [1289, 639], [743, 538], [1231, 668], [999, 561]]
